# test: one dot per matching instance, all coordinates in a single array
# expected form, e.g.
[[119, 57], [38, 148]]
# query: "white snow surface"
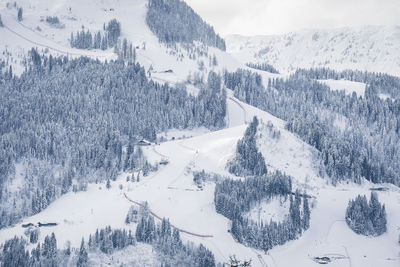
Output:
[[344, 85], [370, 48], [170, 191], [139, 255], [275, 209]]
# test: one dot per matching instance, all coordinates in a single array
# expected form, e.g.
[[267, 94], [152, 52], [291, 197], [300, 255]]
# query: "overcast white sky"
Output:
[[252, 17]]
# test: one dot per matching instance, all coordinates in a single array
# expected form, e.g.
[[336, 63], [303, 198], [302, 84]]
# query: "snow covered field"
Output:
[[348, 86], [170, 192]]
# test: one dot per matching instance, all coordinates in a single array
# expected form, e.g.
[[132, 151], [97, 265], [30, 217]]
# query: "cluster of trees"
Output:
[[125, 51], [108, 240], [52, 20], [86, 40], [381, 82], [270, 234], [1, 22], [263, 66], [366, 218], [168, 243], [68, 120], [165, 240], [369, 148], [248, 161], [233, 198], [173, 21], [15, 253]]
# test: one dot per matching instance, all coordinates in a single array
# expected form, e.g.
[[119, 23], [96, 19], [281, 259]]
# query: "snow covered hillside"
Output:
[[178, 154], [18, 37], [171, 193], [370, 48]]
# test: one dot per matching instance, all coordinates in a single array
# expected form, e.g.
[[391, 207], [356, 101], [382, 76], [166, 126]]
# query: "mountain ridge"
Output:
[[366, 48]]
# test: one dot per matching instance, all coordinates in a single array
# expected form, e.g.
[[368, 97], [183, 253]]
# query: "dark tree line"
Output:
[[263, 66], [86, 40], [233, 198], [108, 240], [15, 253], [69, 120], [248, 160], [367, 147], [366, 218], [166, 241], [173, 21]]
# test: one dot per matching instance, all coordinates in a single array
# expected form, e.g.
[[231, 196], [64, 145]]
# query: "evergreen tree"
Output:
[[20, 14], [113, 32], [14, 253], [306, 213], [83, 256]]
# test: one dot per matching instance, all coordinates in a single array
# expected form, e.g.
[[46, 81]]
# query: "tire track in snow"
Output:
[[242, 108], [65, 52], [259, 256], [158, 153], [173, 226]]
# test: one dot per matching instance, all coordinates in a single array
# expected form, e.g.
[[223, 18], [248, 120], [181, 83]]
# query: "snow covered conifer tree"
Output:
[[83, 255], [20, 14], [306, 213]]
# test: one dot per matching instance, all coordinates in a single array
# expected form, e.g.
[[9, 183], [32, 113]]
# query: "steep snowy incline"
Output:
[[370, 48]]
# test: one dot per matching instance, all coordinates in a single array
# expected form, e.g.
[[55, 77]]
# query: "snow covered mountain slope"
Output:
[[171, 192], [370, 48], [18, 37]]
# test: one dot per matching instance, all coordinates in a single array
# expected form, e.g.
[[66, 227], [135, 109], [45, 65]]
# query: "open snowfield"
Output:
[[348, 86], [170, 192]]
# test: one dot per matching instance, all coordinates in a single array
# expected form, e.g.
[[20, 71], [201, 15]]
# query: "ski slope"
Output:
[[170, 192]]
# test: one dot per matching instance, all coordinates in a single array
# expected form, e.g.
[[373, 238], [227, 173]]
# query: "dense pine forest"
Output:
[[174, 22]]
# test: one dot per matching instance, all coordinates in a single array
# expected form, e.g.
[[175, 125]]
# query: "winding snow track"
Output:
[[173, 226], [60, 49]]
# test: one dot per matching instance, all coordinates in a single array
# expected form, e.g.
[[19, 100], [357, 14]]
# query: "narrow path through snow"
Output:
[[172, 225]]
